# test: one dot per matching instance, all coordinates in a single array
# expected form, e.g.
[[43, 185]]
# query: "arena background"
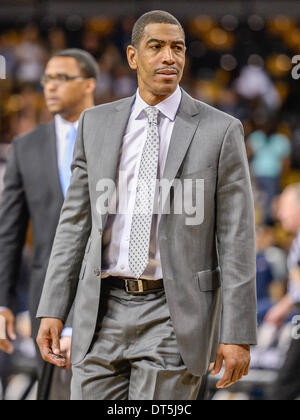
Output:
[[241, 58]]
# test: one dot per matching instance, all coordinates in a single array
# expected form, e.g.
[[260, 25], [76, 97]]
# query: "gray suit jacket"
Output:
[[196, 260]]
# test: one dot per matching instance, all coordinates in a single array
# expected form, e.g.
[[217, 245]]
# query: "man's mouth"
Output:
[[52, 100], [167, 73]]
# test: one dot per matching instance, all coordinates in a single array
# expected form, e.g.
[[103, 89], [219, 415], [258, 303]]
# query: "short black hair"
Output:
[[155, 16], [86, 62]]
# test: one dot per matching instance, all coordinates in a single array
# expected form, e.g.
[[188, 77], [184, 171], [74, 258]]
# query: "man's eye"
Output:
[[155, 47], [178, 47], [62, 77]]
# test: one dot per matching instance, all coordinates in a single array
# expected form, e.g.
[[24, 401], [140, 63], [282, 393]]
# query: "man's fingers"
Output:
[[11, 329], [44, 347], [246, 370], [65, 348], [233, 375], [55, 360], [243, 371], [218, 364], [236, 376], [49, 356], [6, 346], [48, 341], [226, 378], [2, 328], [237, 361], [228, 375], [7, 323], [211, 367], [54, 356], [55, 342], [59, 361]]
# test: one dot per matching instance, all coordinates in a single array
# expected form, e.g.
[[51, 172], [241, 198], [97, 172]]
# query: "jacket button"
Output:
[[100, 231], [97, 272]]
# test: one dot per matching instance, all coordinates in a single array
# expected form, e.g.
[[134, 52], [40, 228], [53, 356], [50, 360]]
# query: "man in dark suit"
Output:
[[37, 177]]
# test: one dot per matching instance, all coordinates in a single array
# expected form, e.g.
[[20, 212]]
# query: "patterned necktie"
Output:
[[145, 192], [65, 175]]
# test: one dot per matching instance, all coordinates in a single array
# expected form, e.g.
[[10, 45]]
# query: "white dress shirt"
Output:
[[62, 127], [116, 234]]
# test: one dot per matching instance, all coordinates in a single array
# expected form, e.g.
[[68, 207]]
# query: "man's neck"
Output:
[[152, 99], [74, 116], [70, 119]]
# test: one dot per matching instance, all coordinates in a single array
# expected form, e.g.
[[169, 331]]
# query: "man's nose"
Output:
[[168, 56], [51, 86]]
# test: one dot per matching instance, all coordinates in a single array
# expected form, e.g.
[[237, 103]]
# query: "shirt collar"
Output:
[[167, 107]]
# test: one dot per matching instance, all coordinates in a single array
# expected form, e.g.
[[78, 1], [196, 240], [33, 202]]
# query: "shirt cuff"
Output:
[[67, 332]]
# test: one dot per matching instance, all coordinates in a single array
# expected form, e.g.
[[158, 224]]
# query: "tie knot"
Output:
[[152, 114]]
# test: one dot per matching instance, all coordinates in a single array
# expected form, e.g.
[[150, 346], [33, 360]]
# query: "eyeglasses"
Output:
[[59, 79]]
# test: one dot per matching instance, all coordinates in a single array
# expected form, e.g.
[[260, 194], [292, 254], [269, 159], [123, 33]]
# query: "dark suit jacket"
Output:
[[32, 192]]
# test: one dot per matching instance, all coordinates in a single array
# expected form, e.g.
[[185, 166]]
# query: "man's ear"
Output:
[[90, 85], [131, 57]]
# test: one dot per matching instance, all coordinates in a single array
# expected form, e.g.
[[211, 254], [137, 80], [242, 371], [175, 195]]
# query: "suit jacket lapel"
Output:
[[113, 137], [182, 135], [111, 144]]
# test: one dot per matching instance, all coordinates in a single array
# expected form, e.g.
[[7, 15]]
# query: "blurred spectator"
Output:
[[230, 102], [276, 257], [295, 155], [271, 270], [57, 40], [264, 277], [254, 82], [269, 150], [6, 50], [287, 385], [90, 43], [125, 82], [31, 55]]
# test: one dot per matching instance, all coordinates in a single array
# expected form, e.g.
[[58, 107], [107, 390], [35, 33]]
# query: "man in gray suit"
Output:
[[150, 313], [36, 179]]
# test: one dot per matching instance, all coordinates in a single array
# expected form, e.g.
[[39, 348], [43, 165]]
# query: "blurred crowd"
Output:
[[241, 66]]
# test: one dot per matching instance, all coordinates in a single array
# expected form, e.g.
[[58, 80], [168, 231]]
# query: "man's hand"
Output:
[[48, 340], [65, 347], [279, 312], [7, 324], [237, 361], [294, 276]]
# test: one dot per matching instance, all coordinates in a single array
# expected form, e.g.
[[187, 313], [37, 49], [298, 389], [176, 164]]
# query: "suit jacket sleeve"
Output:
[[14, 218], [236, 240], [70, 240]]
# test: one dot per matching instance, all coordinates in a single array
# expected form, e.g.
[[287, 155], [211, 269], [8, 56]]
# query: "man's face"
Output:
[[289, 211], [159, 59], [63, 97]]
